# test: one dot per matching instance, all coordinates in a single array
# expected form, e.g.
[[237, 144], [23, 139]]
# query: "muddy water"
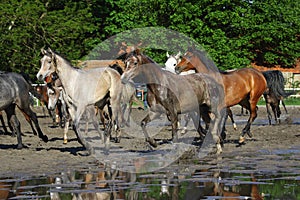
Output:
[[266, 167], [236, 175]]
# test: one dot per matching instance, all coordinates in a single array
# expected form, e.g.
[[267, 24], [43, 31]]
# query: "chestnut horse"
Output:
[[243, 86], [173, 95]]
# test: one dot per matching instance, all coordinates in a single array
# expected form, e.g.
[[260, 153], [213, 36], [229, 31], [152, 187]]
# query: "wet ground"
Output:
[[266, 166]]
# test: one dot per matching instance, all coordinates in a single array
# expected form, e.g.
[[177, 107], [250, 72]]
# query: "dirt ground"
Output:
[[40, 158]]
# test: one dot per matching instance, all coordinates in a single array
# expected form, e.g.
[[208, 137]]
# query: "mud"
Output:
[[39, 158]]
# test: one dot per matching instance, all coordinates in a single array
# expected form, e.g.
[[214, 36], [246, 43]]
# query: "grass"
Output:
[[288, 101]]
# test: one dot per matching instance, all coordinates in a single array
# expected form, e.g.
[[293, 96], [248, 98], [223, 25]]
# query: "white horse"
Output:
[[84, 88]]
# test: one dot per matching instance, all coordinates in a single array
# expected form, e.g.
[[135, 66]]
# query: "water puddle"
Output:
[[266, 175]]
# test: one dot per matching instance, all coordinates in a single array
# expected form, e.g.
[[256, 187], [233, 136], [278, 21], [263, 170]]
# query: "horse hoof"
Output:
[[20, 146], [152, 142], [65, 141], [45, 138], [117, 140], [249, 134], [234, 127], [242, 140]]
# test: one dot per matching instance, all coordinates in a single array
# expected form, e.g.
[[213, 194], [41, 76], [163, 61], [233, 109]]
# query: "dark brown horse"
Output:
[[274, 94], [243, 86], [174, 95]]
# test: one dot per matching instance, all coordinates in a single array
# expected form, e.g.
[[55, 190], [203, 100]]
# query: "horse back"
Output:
[[241, 83], [14, 89]]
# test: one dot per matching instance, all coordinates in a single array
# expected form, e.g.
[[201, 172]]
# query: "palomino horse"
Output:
[[15, 92], [84, 88], [173, 95], [274, 94], [243, 86]]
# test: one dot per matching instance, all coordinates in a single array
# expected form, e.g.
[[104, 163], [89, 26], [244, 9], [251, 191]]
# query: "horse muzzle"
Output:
[[178, 70]]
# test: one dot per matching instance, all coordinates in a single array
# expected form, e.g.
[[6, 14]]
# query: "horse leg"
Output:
[[253, 114], [174, 120], [268, 106], [26, 109], [3, 123], [283, 104], [76, 120], [197, 123], [229, 112], [186, 118], [93, 113], [27, 117], [15, 123], [151, 116]]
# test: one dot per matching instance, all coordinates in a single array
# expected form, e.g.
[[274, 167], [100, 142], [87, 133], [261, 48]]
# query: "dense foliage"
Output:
[[235, 33]]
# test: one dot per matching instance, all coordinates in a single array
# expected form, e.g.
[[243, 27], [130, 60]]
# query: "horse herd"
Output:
[[201, 91]]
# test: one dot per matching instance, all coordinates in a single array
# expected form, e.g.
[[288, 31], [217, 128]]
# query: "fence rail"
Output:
[[296, 90]]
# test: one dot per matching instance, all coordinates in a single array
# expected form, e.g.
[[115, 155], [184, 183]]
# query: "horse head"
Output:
[[185, 64], [172, 61], [132, 63], [48, 63]]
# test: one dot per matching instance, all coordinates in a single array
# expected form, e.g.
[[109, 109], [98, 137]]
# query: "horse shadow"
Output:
[[72, 150]]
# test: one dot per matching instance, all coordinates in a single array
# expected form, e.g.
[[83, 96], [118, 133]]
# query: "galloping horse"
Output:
[[243, 86], [173, 95], [170, 65], [15, 92], [84, 88]]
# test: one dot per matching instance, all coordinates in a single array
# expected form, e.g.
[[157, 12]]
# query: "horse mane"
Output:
[[208, 62], [66, 60]]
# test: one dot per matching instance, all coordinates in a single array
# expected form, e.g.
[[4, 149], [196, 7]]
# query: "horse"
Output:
[[173, 95], [42, 95], [55, 93], [170, 65], [274, 94], [84, 88], [242, 86], [15, 92], [128, 95]]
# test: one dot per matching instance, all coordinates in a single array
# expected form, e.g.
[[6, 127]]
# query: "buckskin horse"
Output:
[[15, 92], [243, 86], [172, 94], [84, 88]]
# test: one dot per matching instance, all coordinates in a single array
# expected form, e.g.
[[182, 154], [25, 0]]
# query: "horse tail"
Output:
[[275, 83]]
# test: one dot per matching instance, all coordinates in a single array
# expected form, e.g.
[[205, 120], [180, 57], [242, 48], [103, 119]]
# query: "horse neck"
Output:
[[67, 74], [151, 72]]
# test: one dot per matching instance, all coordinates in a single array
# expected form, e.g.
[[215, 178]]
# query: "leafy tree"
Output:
[[235, 33]]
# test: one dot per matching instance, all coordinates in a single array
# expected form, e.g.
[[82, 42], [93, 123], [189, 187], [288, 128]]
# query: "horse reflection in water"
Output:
[[173, 95]]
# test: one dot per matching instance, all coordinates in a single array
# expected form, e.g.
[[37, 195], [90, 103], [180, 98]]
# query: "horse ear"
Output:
[[168, 54], [137, 51], [178, 55], [44, 52]]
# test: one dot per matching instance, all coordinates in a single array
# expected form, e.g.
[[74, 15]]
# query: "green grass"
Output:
[[288, 101]]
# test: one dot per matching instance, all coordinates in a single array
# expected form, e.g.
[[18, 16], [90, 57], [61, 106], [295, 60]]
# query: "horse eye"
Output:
[[174, 64], [135, 63]]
